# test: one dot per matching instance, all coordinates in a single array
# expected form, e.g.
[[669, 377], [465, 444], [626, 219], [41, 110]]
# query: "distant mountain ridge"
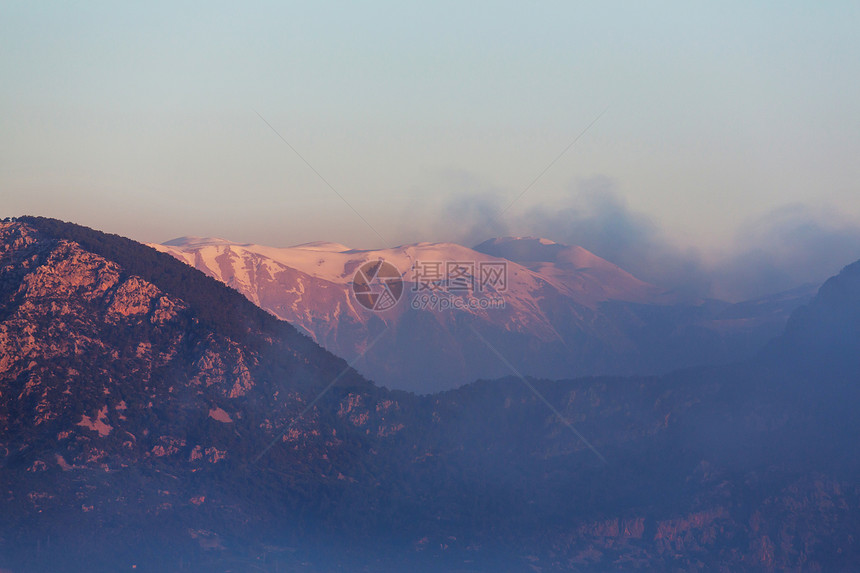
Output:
[[827, 330], [588, 315]]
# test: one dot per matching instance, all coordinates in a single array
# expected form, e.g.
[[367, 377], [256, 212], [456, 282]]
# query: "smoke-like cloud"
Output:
[[470, 213], [791, 246], [596, 217]]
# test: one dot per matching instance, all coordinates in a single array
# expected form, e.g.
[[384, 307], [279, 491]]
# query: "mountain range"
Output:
[[152, 418], [561, 312]]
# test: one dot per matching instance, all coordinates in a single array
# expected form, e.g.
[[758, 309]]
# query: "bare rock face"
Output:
[[102, 370], [68, 323]]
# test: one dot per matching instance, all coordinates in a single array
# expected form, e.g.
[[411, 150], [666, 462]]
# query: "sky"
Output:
[[718, 138]]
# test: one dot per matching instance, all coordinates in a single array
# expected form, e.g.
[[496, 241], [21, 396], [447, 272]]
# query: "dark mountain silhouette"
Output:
[[826, 333], [152, 418]]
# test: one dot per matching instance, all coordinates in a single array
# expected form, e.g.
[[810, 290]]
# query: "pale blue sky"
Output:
[[142, 120]]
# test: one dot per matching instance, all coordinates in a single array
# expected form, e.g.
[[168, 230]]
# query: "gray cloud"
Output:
[[471, 212], [596, 217], [789, 247]]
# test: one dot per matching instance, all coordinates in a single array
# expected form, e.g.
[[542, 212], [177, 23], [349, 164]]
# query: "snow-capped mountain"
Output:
[[579, 272], [552, 310]]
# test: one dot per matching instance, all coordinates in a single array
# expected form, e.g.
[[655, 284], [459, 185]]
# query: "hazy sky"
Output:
[[144, 120]]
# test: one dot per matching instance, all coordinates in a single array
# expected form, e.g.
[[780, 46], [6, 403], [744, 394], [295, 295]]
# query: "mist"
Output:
[[791, 246]]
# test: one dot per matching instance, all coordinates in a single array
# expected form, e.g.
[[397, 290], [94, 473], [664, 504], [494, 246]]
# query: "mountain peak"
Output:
[[512, 239], [827, 330], [526, 249], [191, 241], [324, 246], [532, 250]]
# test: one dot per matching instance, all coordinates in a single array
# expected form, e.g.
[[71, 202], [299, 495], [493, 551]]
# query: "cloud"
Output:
[[474, 218], [595, 216], [791, 246], [592, 214], [469, 214]]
